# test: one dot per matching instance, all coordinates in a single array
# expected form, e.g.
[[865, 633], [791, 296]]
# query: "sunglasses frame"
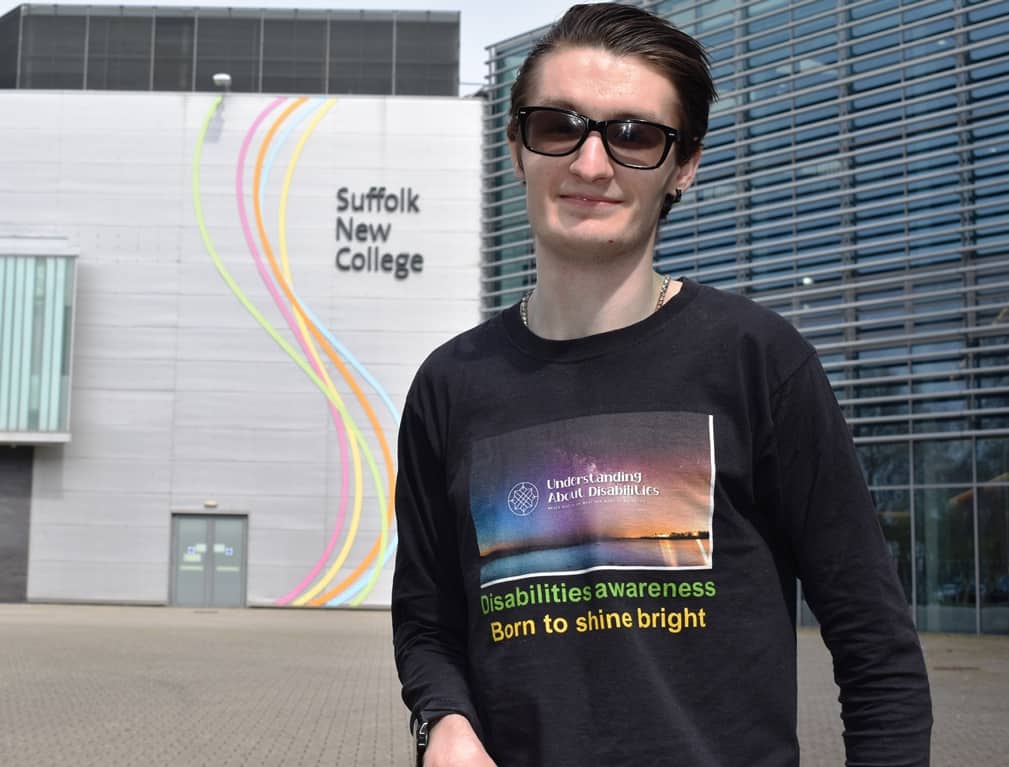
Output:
[[672, 135]]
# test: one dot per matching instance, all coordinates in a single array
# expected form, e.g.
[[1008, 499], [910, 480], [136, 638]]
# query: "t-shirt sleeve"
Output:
[[428, 608], [848, 577]]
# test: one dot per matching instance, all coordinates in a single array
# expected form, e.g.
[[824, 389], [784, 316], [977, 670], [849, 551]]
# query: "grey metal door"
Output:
[[208, 560]]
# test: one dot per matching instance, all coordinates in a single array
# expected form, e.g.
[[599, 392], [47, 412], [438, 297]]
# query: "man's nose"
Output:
[[591, 161]]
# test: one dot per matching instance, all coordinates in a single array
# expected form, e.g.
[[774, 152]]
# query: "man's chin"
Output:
[[586, 245], [590, 230]]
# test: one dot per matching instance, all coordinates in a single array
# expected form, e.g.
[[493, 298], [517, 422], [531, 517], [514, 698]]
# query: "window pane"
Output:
[[993, 524], [993, 459], [944, 560], [941, 461], [894, 511], [885, 464]]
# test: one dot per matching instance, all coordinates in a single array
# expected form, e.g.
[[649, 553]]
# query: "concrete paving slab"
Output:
[[108, 686]]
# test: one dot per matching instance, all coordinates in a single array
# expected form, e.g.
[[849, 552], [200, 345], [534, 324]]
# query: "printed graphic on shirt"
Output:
[[623, 491]]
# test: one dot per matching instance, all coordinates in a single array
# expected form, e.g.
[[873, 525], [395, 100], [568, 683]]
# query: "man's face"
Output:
[[584, 205]]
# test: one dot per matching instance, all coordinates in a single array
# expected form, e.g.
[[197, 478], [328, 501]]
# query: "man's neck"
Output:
[[574, 300]]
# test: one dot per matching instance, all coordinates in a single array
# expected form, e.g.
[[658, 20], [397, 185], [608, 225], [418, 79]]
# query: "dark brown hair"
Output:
[[625, 30]]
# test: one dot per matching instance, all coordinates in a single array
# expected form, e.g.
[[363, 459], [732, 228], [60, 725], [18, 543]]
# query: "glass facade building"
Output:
[[854, 180], [278, 50]]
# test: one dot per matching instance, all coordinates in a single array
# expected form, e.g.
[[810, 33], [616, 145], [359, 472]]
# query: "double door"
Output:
[[208, 560]]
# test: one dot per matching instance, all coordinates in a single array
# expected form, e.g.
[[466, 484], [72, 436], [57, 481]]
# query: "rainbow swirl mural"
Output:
[[318, 352]]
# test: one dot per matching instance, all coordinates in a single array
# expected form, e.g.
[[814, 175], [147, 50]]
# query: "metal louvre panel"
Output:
[[283, 50]]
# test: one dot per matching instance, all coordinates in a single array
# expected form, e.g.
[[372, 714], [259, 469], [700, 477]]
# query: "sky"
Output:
[[482, 22]]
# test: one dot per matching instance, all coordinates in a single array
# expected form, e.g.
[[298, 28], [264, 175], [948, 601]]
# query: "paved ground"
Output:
[[132, 686]]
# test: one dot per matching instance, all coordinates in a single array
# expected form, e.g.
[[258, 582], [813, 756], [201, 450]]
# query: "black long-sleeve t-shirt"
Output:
[[599, 543]]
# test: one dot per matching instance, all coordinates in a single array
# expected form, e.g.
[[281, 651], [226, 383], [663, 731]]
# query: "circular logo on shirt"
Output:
[[523, 499]]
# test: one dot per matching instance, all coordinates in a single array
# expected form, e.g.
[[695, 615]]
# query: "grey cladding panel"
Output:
[[101, 581]]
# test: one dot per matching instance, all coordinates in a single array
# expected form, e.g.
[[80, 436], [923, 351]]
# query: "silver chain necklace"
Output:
[[524, 303]]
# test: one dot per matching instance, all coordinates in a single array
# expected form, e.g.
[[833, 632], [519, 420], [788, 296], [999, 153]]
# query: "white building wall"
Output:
[[179, 394]]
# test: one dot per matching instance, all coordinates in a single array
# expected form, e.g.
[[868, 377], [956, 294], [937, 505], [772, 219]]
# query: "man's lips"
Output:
[[588, 199]]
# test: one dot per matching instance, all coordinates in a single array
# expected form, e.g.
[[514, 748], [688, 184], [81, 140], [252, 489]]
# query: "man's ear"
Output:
[[678, 184], [685, 174]]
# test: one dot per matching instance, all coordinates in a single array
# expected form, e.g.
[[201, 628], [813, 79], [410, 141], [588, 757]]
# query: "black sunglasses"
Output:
[[629, 142]]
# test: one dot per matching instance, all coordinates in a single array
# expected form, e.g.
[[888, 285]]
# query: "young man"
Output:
[[608, 492]]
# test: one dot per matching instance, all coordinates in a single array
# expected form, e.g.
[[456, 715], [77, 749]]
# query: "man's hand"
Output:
[[452, 743]]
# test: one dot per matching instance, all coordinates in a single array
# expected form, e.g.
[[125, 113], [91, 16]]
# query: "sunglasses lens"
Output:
[[552, 133], [636, 144]]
